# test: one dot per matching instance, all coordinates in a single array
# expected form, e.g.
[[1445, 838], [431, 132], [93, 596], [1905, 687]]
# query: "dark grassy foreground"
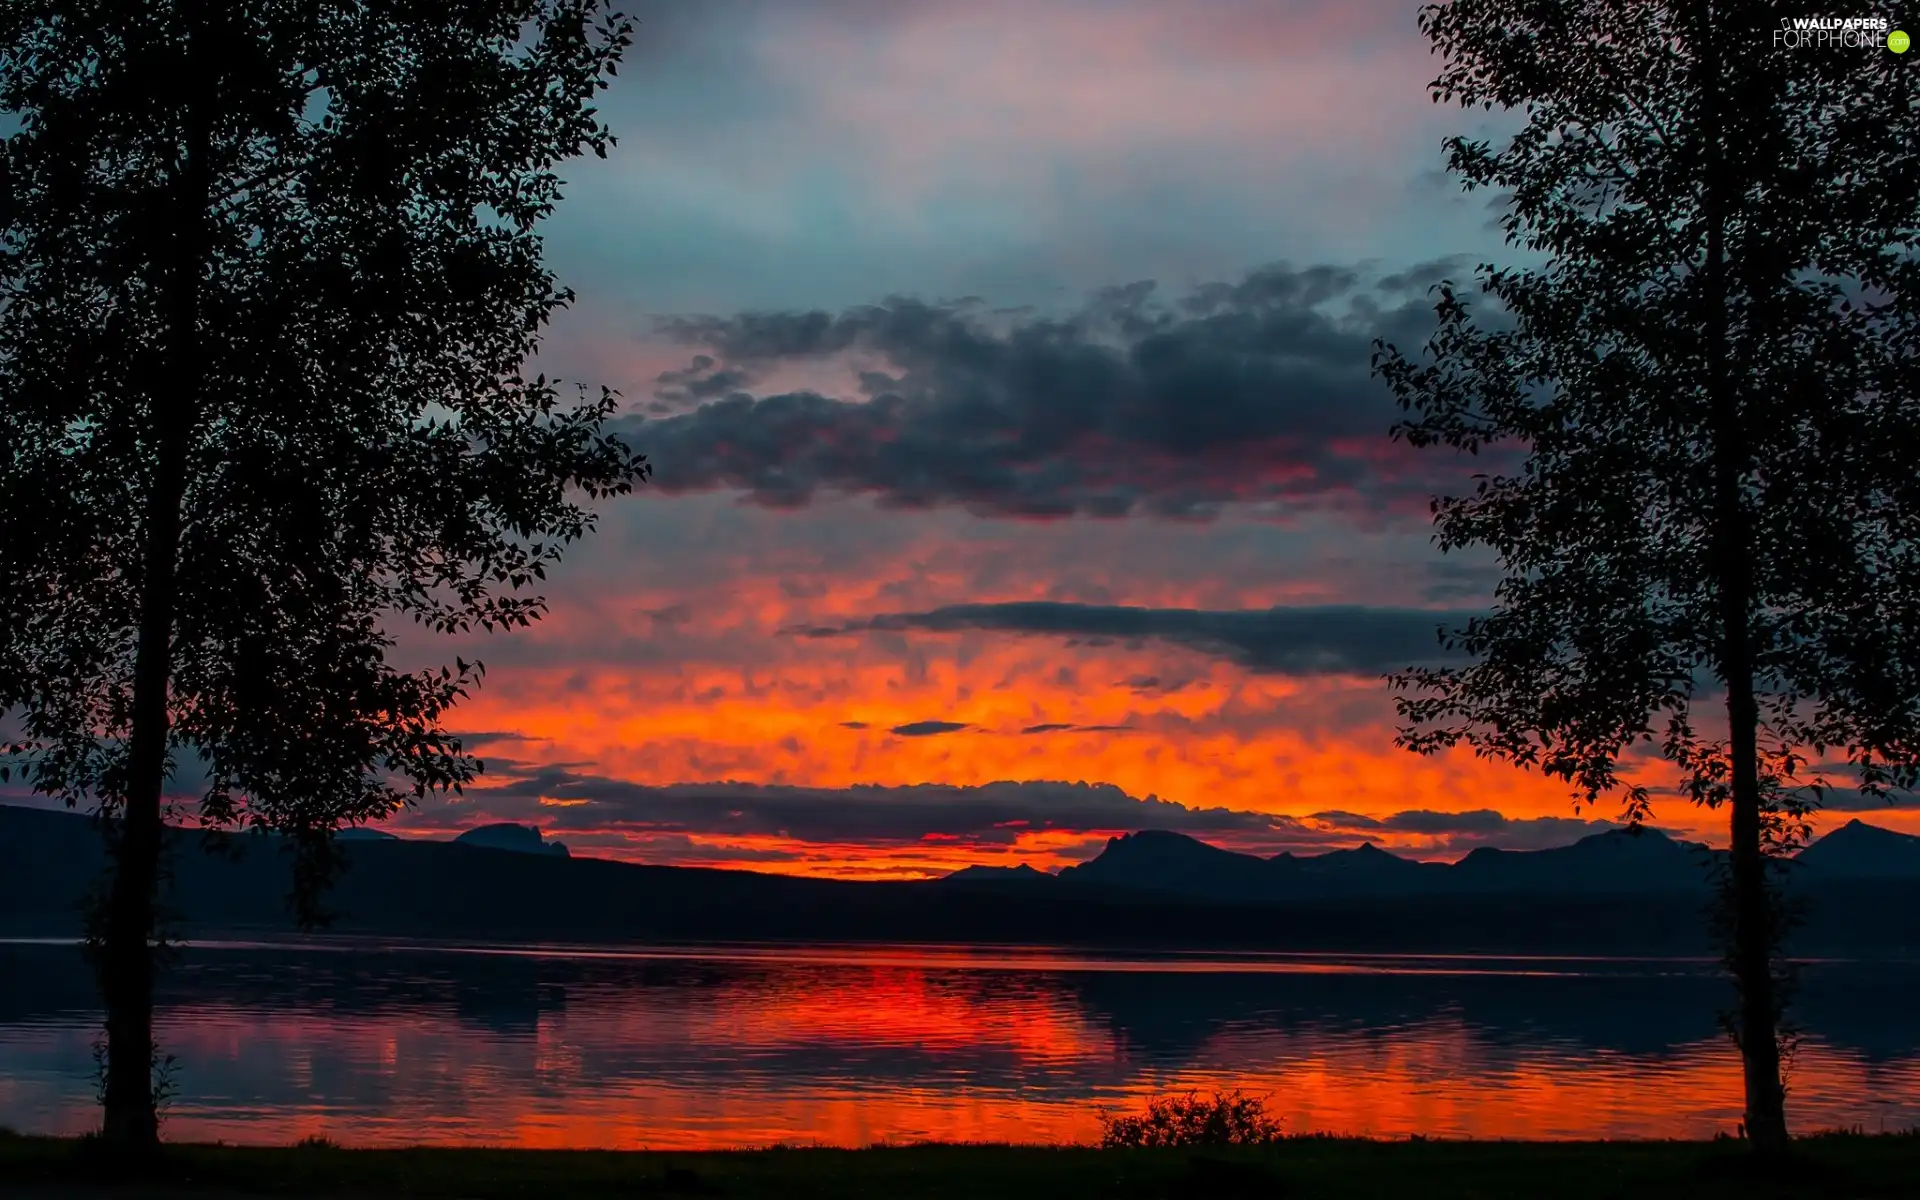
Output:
[[1837, 1166]]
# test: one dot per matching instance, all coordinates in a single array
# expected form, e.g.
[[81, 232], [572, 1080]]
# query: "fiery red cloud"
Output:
[[697, 675]]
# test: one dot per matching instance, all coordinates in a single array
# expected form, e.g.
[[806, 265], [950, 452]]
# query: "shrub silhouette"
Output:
[[1223, 1119]]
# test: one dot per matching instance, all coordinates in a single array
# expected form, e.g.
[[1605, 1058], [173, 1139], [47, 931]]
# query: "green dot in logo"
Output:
[[1898, 41]]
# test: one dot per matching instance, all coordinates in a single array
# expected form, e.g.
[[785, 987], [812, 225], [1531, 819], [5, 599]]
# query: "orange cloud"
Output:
[[769, 708], [670, 658]]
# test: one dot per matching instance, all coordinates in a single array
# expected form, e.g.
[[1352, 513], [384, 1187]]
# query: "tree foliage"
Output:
[[1190, 1119], [1702, 402], [360, 442], [269, 273]]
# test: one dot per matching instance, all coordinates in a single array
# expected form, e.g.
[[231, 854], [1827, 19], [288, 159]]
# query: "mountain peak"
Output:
[[1018, 875], [1161, 842], [1627, 833], [1163, 860], [990, 871], [507, 835], [1858, 829], [1165, 837], [1365, 852], [1639, 841], [1860, 850]]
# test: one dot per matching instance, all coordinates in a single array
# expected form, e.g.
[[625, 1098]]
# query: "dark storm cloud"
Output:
[[699, 380], [1295, 641], [995, 812], [1453, 581], [927, 728], [1450, 832], [991, 814], [480, 740], [1421, 276], [1253, 391], [1853, 800], [1483, 820]]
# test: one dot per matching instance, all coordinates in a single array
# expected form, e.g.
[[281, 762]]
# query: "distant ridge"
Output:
[[1858, 850], [1618, 861], [1614, 894], [520, 839], [1021, 875]]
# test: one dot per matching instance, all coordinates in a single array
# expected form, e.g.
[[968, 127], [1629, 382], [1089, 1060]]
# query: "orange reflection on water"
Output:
[[390, 1045], [1439, 1084]]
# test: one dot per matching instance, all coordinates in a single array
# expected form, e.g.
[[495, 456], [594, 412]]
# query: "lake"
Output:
[[373, 1043]]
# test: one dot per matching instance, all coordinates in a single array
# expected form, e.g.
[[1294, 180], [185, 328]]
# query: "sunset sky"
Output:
[[1019, 477], [1003, 365]]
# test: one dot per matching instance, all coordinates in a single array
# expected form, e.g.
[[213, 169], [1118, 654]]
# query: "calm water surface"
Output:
[[378, 1044]]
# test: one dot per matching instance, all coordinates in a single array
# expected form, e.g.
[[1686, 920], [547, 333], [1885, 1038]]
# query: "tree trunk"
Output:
[[1751, 957], [131, 1119], [130, 1122]]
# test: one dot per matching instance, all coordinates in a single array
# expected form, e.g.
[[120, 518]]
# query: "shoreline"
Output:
[[1008, 953], [1830, 1164]]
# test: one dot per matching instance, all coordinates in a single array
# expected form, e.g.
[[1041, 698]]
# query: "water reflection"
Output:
[[387, 1044]]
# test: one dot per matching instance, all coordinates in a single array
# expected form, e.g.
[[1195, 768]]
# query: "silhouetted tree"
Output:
[[1223, 1119], [270, 275], [1705, 378]]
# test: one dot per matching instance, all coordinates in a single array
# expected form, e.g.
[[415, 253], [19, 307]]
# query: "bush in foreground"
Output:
[[1223, 1119]]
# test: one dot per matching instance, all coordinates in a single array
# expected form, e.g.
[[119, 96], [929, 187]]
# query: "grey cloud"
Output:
[[991, 813], [599, 811], [1524, 833], [927, 728], [1479, 821], [1853, 800], [698, 380], [1353, 822], [679, 848], [1454, 580], [1327, 640], [475, 740], [1255, 391], [1842, 796], [1418, 278], [1456, 832]]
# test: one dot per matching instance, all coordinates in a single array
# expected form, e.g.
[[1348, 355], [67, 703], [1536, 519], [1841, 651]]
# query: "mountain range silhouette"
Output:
[[1619, 892], [1621, 860]]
